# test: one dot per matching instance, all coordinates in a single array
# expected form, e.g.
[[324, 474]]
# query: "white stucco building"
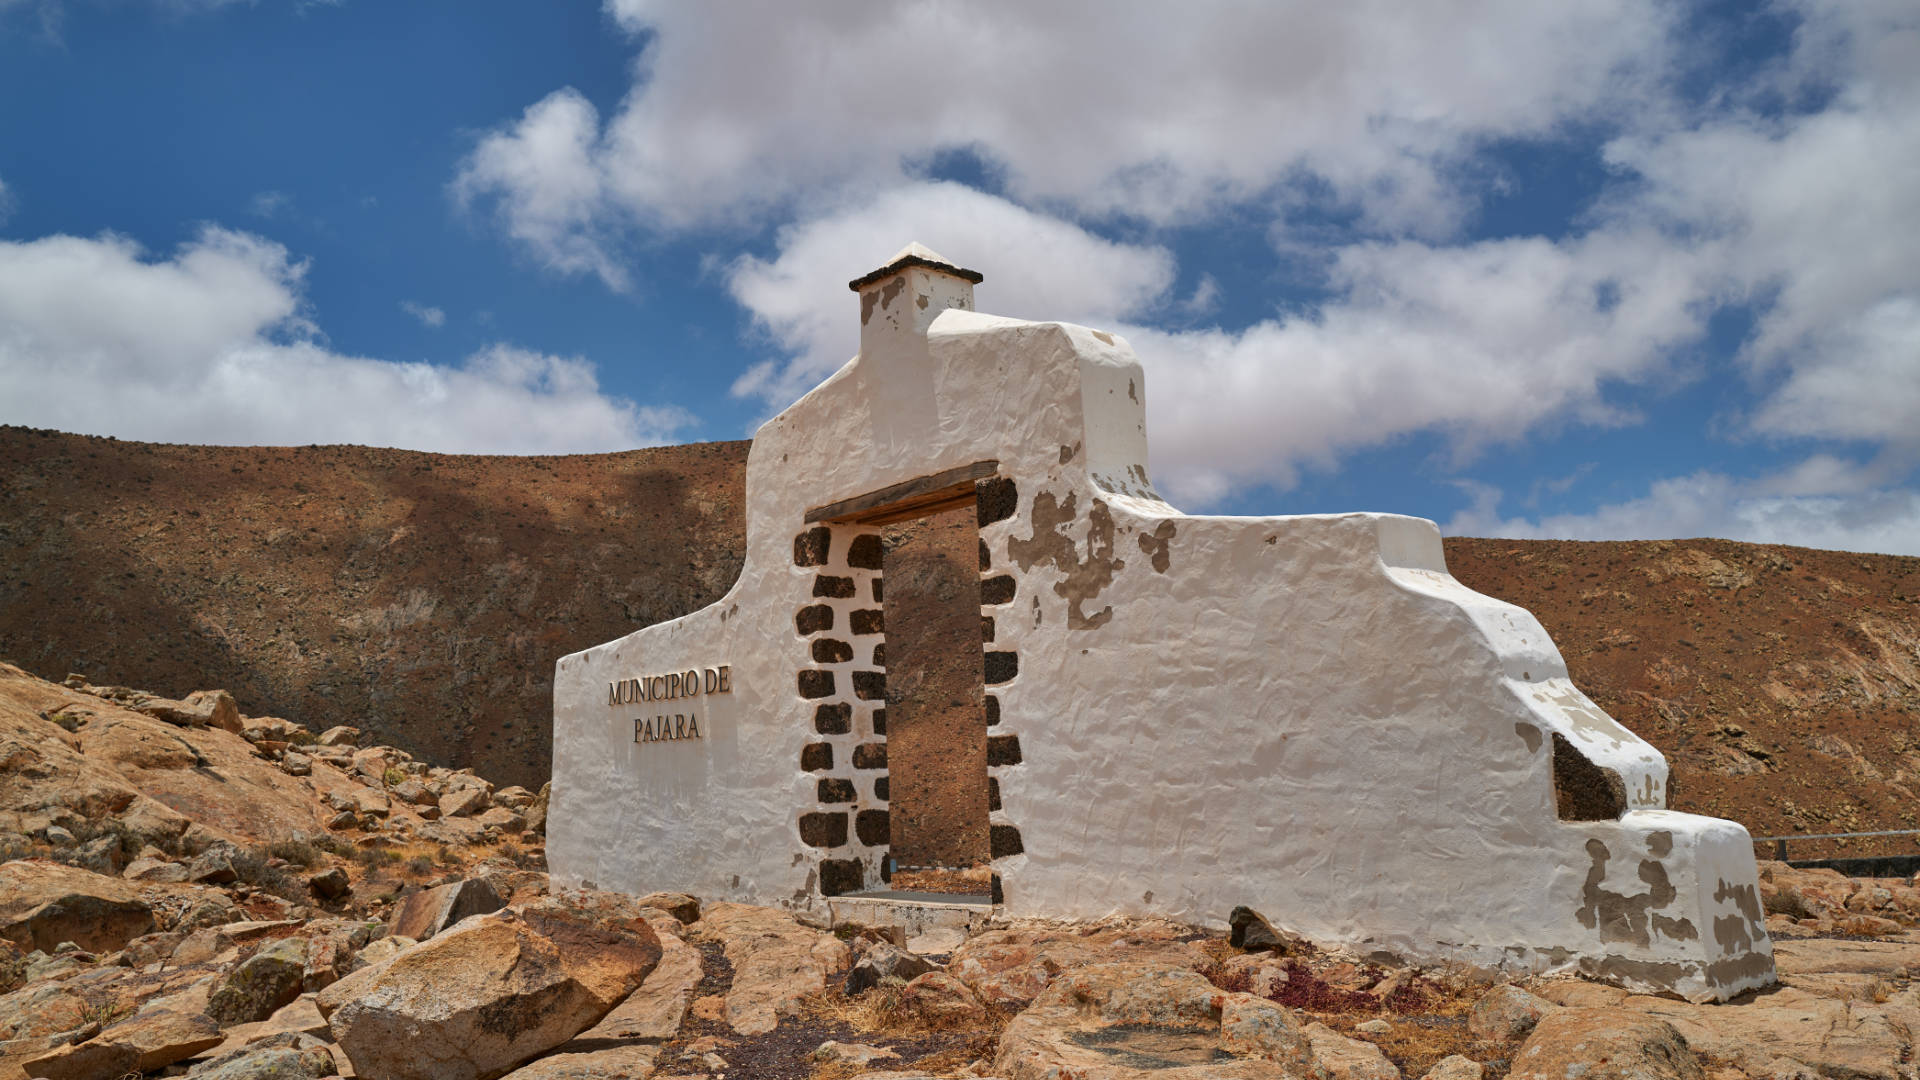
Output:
[[1306, 715]]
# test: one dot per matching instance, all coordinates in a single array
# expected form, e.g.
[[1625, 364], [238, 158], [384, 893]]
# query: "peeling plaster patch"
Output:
[[1067, 452], [1660, 844], [1733, 970], [1744, 897], [1103, 336], [923, 298], [891, 290], [1677, 929], [1157, 544], [867, 300], [1049, 545], [1585, 717], [1530, 735], [1132, 394], [1619, 969], [1617, 916]]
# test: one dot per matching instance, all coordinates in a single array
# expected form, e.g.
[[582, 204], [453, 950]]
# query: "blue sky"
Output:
[[1609, 269]]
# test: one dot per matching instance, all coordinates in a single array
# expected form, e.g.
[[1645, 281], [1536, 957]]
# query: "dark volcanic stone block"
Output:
[[1006, 841], [831, 651], [997, 590], [872, 755], [833, 719], [1003, 750], [829, 585], [840, 876], [1002, 667], [995, 499], [813, 619], [871, 827], [865, 552], [867, 621], [815, 683], [816, 757], [833, 791], [810, 547], [823, 830], [870, 685]]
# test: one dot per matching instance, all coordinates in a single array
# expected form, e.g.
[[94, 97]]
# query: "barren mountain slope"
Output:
[[422, 597], [1782, 683]]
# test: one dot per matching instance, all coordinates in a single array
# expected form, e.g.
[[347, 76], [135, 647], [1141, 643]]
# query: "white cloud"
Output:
[[1133, 120], [1713, 504], [212, 344], [1135, 110], [428, 316]]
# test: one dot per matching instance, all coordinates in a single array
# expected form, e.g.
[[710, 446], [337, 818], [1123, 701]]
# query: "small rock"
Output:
[[258, 988], [345, 819], [331, 884], [1342, 1058], [1259, 1028], [1373, 1027], [852, 1053], [679, 905], [296, 764], [712, 1007], [425, 914], [1251, 930], [159, 871], [881, 961], [59, 836], [939, 998], [1455, 1067], [339, 736], [1507, 1012], [463, 801], [213, 867]]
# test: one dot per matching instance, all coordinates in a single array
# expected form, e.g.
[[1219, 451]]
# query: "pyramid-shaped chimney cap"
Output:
[[916, 254]]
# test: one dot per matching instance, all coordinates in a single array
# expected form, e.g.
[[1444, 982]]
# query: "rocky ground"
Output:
[[191, 891]]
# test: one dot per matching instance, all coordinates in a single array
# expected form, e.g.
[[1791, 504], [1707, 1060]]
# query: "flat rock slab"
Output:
[[43, 904], [1825, 955], [776, 962], [1152, 1022], [1013, 966]]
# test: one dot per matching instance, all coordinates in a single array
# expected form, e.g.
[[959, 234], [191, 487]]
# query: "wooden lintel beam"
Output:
[[908, 499]]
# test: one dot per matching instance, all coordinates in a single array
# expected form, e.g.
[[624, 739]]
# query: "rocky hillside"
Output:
[[190, 891], [1783, 684], [424, 598], [420, 597]]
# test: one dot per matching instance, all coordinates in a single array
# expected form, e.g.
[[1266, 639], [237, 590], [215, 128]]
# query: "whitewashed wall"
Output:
[[1306, 715]]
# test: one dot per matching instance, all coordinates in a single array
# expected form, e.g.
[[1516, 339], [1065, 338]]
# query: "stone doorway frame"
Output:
[[842, 633]]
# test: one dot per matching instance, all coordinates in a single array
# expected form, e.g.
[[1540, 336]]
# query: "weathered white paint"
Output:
[[1306, 715]]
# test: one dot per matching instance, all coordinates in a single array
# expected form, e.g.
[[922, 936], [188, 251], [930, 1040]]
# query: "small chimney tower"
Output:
[[899, 301]]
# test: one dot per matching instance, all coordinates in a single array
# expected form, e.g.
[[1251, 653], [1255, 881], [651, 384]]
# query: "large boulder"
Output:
[[1604, 1044], [656, 1010], [43, 904], [487, 995], [1011, 967], [426, 913]]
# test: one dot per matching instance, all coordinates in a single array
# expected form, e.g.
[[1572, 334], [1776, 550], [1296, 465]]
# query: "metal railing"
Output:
[[1780, 842]]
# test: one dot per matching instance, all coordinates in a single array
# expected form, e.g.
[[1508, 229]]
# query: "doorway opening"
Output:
[[940, 841]]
